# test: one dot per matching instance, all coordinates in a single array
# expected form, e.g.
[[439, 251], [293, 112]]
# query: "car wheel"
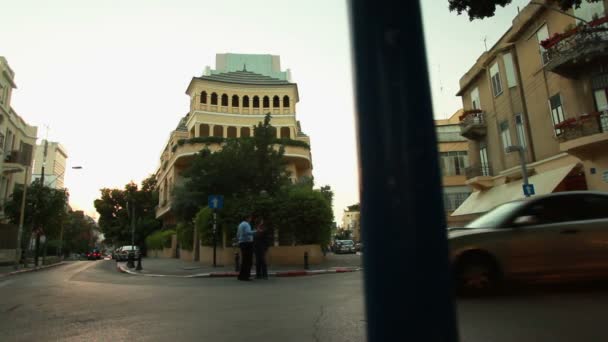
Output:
[[476, 275]]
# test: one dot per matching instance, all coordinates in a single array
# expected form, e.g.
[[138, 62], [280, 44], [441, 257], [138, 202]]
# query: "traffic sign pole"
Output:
[[214, 237]]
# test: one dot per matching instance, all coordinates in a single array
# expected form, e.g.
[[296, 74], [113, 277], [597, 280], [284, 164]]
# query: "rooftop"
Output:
[[244, 77]]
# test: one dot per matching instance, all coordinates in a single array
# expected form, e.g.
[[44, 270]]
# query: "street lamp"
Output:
[[522, 161]]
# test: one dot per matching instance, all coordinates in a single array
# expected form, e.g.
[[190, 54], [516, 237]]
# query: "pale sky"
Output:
[[109, 76]]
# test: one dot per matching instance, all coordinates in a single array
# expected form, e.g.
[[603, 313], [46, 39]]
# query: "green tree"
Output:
[[78, 234], [242, 170], [480, 9], [115, 219], [45, 208]]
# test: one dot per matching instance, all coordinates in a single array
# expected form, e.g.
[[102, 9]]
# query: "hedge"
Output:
[[160, 239]]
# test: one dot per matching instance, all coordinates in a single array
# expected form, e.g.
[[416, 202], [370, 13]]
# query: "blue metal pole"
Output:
[[408, 285]]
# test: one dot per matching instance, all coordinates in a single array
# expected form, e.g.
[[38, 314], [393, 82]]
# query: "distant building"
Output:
[[17, 140], [453, 161], [228, 102], [54, 170], [351, 221]]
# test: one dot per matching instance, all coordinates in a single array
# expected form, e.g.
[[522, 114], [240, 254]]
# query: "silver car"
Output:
[[561, 234]]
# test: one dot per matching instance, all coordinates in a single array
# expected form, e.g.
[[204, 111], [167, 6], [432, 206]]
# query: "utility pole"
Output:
[[21, 219], [39, 229]]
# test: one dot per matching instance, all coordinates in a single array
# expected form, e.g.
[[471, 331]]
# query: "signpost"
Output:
[[528, 189], [215, 202]]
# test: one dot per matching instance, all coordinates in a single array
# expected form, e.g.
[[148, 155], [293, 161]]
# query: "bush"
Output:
[[185, 235], [160, 239], [204, 226]]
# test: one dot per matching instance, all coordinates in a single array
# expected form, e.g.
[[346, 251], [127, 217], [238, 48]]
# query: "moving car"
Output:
[[94, 254], [561, 234], [122, 253], [345, 246]]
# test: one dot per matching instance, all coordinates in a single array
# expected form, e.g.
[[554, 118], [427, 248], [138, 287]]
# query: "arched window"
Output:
[[214, 99], [256, 102], [235, 101], [285, 101], [246, 101], [276, 102], [218, 131], [285, 132], [245, 132], [266, 102], [225, 100], [231, 132], [204, 97], [203, 130]]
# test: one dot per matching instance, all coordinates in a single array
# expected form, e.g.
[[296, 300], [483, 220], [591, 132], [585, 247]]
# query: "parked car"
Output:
[[563, 234], [122, 253], [94, 254], [344, 246]]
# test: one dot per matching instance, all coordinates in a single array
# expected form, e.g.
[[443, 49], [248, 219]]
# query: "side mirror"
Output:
[[525, 220]]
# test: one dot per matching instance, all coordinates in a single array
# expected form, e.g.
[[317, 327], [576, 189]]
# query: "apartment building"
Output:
[[453, 160], [17, 140], [543, 86], [351, 221], [54, 163], [228, 102]]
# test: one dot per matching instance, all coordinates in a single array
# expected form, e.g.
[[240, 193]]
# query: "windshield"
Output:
[[495, 217]]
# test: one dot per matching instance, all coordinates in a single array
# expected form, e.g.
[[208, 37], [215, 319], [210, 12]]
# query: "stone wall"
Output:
[[279, 255], [7, 256]]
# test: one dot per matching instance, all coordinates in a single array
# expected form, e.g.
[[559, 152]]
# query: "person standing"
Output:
[[260, 246], [245, 235]]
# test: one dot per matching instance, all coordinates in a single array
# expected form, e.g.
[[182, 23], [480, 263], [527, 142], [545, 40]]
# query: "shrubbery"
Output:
[[160, 239]]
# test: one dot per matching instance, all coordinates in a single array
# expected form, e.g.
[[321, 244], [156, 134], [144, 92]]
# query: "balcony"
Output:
[[473, 124], [585, 135], [479, 176], [567, 52], [12, 162]]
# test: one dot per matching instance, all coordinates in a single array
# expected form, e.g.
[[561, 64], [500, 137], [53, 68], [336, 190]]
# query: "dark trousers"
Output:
[[246, 259], [261, 269]]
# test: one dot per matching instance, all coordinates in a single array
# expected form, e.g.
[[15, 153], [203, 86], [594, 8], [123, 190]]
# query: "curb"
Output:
[[34, 269], [282, 274]]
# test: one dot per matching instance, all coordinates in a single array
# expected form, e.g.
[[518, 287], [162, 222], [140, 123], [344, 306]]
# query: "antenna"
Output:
[[485, 42], [440, 83]]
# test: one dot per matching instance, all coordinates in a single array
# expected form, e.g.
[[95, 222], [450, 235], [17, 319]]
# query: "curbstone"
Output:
[[281, 274], [33, 269]]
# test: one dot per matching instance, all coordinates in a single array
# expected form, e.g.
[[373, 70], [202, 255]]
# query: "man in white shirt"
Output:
[[245, 235]]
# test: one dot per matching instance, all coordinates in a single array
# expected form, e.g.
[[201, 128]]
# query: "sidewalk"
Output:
[[9, 270], [155, 267]]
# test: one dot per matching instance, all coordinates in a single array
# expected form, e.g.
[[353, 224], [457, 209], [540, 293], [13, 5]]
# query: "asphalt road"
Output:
[[88, 300]]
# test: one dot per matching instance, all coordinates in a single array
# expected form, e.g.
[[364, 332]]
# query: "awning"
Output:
[[486, 200]]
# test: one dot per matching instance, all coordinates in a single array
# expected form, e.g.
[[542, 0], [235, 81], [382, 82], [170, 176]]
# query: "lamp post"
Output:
[[522, 160]]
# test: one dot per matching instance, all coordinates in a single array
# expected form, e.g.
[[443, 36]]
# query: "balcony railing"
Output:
[[473, 124], [565, 50], [582, 126], [13, 157], [477, 171]]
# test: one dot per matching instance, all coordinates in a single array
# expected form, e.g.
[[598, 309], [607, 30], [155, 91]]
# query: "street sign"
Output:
[[215, 201], [528, 189]]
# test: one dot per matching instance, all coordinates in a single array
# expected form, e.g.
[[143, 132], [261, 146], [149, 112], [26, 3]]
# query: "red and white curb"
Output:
[[295, 273], [34, 269]]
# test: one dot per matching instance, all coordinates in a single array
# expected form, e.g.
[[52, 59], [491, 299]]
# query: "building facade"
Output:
[[228, 102], [453, 160], [55, 161], [17, 140], [543, 87], [351, 221]]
